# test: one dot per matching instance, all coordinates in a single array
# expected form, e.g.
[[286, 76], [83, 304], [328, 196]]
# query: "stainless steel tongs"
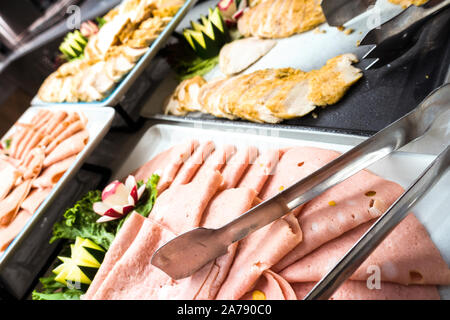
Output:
[[189, 252], [394, 37]]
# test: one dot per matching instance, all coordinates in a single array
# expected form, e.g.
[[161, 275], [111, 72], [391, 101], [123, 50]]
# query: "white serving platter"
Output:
[[402, 167], [99, 121]]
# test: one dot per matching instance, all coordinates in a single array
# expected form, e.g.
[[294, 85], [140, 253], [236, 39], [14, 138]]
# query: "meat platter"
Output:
[[98, 121], [380, 97], [115, 92]]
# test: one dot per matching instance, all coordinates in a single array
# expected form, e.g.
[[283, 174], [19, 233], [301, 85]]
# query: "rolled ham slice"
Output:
[[51, 175], [119, 246], [406, 256], [166, 164], [9, 232], [10, 205], [33, 163], [355, 201], [358, 290], [190, 167], [67, 148], [71, 129], [271, 286], [34, 199], [260, 170]]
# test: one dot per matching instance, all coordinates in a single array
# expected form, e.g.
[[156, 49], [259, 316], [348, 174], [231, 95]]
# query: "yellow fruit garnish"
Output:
[[332, 203], [281, 188], [258, 295]]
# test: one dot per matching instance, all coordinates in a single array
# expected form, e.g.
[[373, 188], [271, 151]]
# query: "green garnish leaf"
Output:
[[7, 143], [100, 21]]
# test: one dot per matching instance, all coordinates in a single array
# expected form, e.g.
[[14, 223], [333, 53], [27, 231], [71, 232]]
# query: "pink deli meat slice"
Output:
[[224, 207], [119, 246], [180, 208], [259, 252], [237, 165], [260, 170], [355, 201], [406, 256], [217, 160], [34, 199], [9, 232], [10, 205], [273, 287], [8, 177], [166, 164], [358, 290], [133, 277], [69, 147], [51, 175], [190, 167]]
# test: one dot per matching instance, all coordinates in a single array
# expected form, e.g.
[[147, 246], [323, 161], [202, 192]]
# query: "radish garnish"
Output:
[[118, 199]]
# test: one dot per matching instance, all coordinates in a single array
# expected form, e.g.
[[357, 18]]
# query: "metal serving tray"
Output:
[[401, 167], [99, 121], [379, 98], [120, 90]]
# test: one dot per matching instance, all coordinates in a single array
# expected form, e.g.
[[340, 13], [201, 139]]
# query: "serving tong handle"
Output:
[[380, 229], [189, 252]]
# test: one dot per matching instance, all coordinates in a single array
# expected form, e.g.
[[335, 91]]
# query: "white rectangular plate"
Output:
[[99, 121], [402, 167]]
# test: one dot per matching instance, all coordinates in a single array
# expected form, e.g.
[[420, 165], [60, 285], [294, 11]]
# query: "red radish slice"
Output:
[[238, 14], [110, 189]]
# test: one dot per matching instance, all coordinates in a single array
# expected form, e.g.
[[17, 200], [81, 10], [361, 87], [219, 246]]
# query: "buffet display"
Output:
[[177, 178]]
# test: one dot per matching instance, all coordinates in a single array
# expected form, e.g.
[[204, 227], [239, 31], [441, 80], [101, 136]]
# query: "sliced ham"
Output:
[[133, 277], [166, 164], [9, 232], [10, 205], [51, 175], [260, 170], [271, 286], [71, 129], [34, 199], [33, 163], [237, 165], [358, 290], [8, 176], [120, 245], [259, 252], [69, 147], [406, 256], [355, 201], [180, 208], [190, 167], [217, 160]]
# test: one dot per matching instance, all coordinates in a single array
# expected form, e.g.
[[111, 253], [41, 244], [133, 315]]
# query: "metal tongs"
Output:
[[394, 37], [189, 252]]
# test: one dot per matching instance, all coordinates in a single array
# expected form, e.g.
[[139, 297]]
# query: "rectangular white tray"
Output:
[[99, 121], [402, 167]]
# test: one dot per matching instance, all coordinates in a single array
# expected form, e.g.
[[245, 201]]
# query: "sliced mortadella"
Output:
[[260, 170], [271, 286], [296, 163], [34, 199], [120, 245], [51, 175], [9, 232], [133, 277], [23, 143], [257, 253], [190, 167], [17, 137], [180, 208], [8, 177], [57, 118], [72, 129], [237, 165], [224, 207], [217, 160], [10, 205], [67, 148], [358, 290], [39, 115], [166, 164], [355, 201], [406, 256]]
